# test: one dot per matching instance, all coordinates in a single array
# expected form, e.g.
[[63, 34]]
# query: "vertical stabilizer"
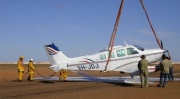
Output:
[[55, 56]]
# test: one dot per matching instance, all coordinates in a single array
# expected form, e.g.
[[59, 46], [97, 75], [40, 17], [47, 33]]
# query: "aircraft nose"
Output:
[[160, 51], [164, 50]]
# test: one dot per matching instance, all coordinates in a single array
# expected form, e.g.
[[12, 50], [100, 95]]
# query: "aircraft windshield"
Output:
[[138, 47]]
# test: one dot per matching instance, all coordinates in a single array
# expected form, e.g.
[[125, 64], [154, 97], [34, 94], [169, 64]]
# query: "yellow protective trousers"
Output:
[[20, 73], [60, 75], [30, 77], [65, 76]]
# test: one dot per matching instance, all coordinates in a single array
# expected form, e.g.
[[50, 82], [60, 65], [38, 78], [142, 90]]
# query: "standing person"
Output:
[[31, 70], [143, 68], [164, 66], [63, 75], [20, 67], [170, 76]]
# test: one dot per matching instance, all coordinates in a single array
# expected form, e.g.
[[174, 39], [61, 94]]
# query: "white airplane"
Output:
[[115, 58], [123, 59]]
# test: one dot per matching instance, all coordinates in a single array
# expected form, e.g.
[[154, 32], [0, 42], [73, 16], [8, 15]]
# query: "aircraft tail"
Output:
[[56, 57]]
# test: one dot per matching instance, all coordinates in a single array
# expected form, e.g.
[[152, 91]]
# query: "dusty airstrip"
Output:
[[10, 88]]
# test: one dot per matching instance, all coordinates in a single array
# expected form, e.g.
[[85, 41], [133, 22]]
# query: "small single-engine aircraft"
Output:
[[115, 58], [123, 59]]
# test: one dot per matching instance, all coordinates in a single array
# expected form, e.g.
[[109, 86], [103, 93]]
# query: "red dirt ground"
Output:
[[11, 89]]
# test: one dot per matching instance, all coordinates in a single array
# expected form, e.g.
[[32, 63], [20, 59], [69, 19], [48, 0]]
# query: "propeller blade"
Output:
[[169, 55], [161, 45]]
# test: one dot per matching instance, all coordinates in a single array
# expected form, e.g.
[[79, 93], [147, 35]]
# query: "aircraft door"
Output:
[[112, 64], [133, 58], [121, 59]]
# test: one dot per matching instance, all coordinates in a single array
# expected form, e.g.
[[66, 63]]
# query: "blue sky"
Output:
[[82, 27]]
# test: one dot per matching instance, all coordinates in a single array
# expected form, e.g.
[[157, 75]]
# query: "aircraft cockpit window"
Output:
[[131, 51], [102, 57], [120, 53], [138, 47], [112, 55]]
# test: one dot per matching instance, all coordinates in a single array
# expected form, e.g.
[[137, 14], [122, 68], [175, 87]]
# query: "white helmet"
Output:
[[31, 59]]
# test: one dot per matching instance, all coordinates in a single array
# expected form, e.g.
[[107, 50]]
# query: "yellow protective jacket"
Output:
[[20, 66], [62, 72], [31, 67]]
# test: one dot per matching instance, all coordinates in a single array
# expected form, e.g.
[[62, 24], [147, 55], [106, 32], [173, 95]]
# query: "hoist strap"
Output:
[[158, 41], [111, 43]]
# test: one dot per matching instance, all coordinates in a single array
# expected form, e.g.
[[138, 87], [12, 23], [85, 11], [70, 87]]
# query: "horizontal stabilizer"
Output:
[[58, 67]]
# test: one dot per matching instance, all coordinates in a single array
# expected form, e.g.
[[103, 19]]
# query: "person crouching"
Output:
[[63, 75]]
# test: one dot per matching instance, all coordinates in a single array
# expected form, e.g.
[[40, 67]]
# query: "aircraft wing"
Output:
[[114, 79]]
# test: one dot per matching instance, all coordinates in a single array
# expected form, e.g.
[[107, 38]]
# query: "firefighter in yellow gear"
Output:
[[20, 67], [31, 70], [63, 75]]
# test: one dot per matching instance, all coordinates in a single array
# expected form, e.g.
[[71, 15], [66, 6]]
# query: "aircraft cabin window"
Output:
[[138, 47], [112, 55], [120, 53], [131, 51], [102, 57]]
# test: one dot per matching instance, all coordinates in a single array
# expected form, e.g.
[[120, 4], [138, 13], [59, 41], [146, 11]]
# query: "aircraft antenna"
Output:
[[125, 43], [111, 43]]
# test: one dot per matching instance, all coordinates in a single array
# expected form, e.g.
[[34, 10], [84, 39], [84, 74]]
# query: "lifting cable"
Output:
[[111, 43], [158, 41]]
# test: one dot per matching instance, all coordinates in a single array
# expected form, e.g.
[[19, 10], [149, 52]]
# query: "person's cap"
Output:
[[143, 56], [31, 59], [21, 57], [163, 56]]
